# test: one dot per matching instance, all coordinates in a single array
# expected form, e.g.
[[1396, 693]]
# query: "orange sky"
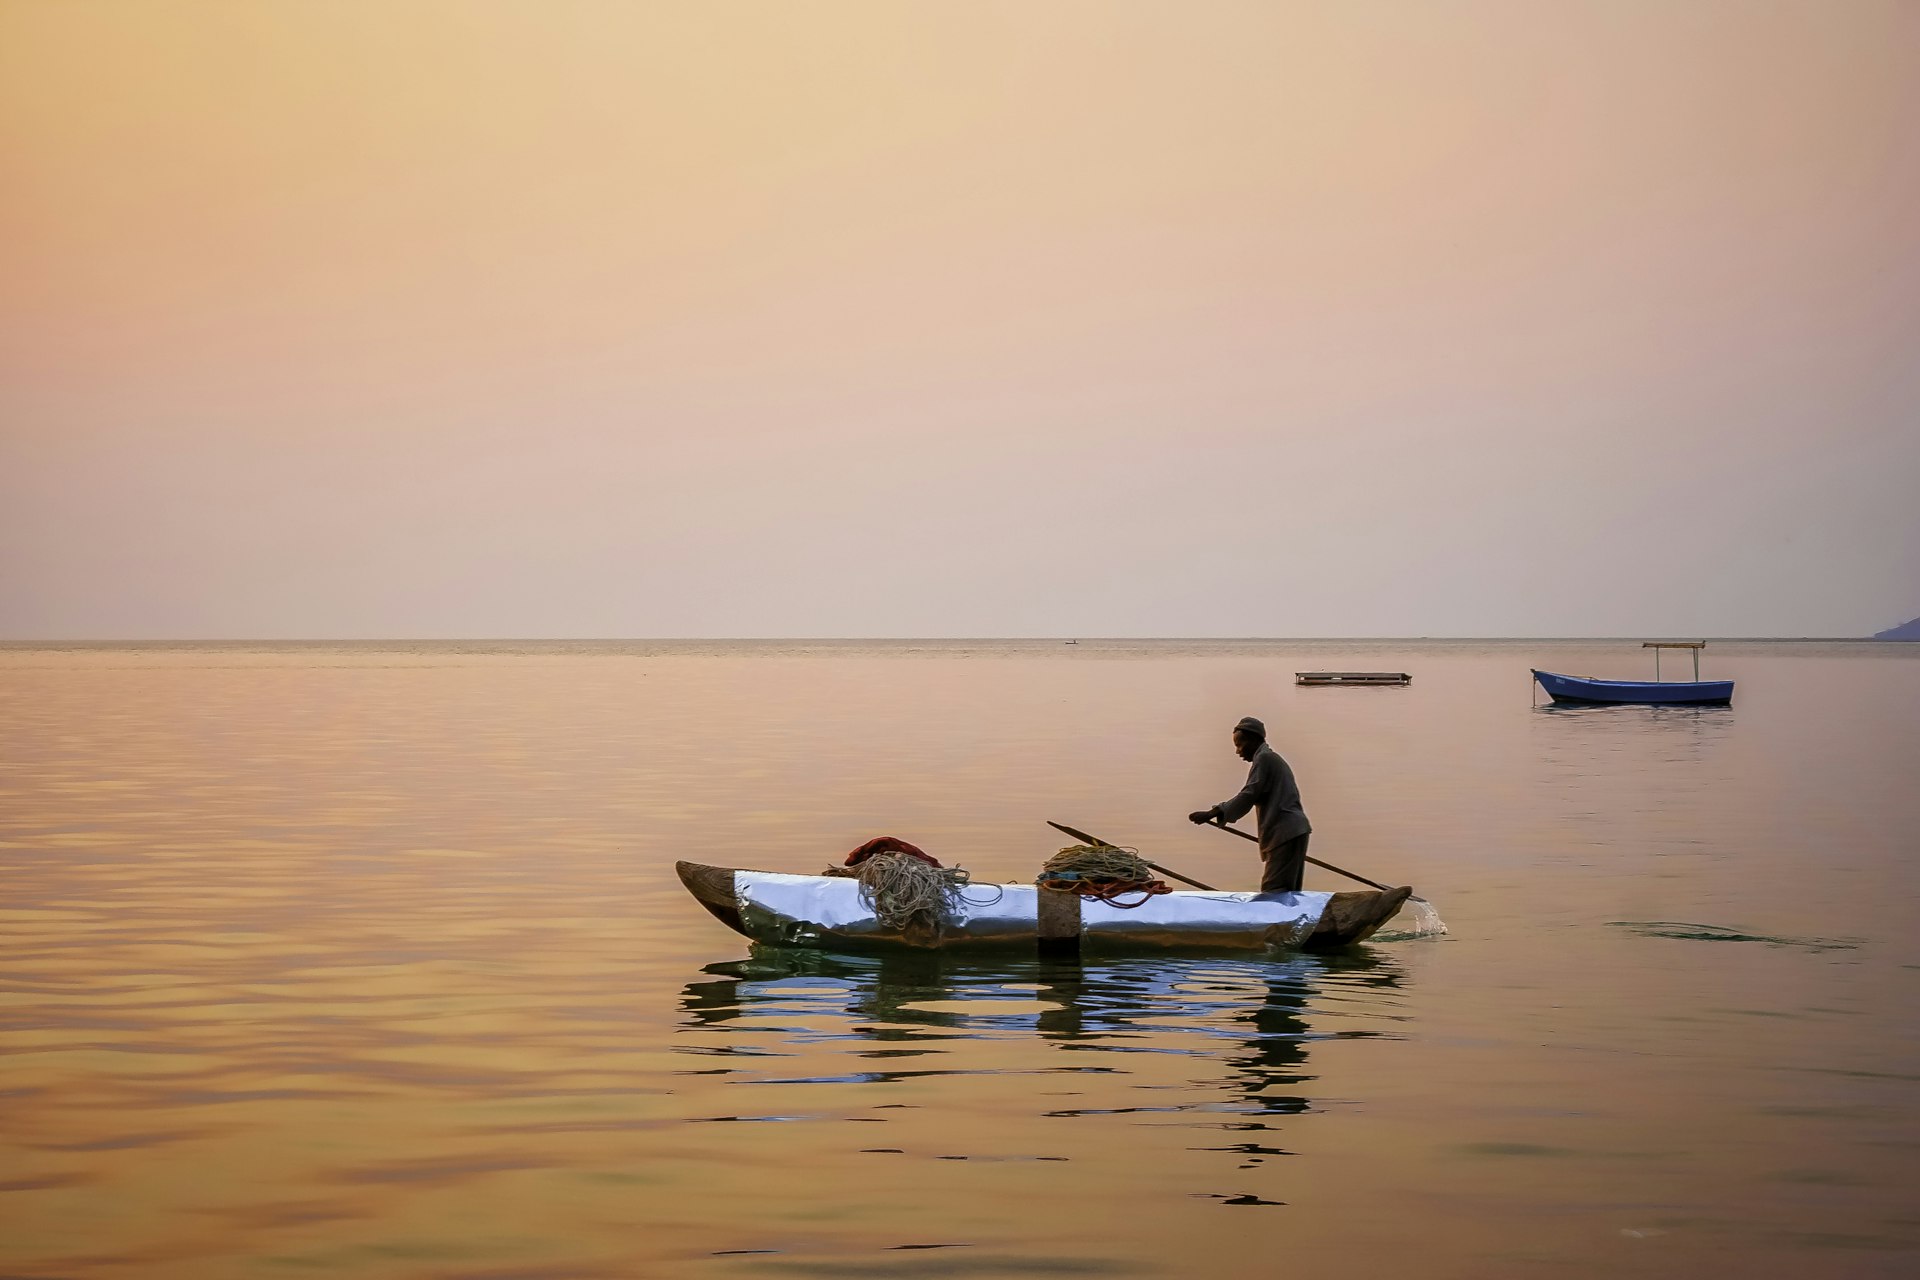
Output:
[[373, 319]]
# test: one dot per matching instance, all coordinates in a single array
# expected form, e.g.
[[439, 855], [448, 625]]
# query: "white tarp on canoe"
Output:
[[801, 909]]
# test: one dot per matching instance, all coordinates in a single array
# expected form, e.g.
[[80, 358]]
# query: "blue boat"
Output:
[[1695, 692]]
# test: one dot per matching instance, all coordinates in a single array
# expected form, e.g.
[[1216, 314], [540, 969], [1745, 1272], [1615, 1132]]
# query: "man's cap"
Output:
[[1250, 725]]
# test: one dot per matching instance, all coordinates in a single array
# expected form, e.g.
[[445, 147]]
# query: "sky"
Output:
[[389, 318]]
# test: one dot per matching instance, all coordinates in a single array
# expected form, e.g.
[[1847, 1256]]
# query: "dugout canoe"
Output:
[[828, 911]]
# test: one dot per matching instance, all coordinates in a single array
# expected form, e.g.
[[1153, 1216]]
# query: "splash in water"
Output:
[[1417, 919]]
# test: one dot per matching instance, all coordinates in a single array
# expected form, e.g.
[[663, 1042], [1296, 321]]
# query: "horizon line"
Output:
[[25, 642]]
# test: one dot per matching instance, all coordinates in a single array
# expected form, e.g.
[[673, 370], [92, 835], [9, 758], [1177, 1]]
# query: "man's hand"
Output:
[[1201, 817]]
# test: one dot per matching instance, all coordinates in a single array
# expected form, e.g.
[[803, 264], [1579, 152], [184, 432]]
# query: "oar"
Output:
[[1339, 871], [1084, 838]]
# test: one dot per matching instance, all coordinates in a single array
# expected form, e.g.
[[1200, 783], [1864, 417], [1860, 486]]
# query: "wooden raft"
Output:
[[1352, 677]]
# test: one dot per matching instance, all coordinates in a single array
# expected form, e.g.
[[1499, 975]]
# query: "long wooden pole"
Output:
[[1339, 871], [1084, 838]]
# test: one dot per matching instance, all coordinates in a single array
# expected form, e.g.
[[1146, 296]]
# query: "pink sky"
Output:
[[602, 319]]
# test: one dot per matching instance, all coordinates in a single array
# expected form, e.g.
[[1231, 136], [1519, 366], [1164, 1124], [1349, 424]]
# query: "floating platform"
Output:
[[1352, 677]]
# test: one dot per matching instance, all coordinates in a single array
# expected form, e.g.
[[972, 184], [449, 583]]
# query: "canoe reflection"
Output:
[[1255, 1018]]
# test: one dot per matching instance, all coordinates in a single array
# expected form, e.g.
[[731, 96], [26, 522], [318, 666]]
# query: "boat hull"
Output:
[[826, 911], [1583, 689]]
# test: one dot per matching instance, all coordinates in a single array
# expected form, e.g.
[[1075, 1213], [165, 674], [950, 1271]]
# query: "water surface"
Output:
[[369, 960]]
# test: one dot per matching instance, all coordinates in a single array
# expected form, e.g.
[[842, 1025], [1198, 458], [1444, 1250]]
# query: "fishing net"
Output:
[[1101, 871], [901, 889]]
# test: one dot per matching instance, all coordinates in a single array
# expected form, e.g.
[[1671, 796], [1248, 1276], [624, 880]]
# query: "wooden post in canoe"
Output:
[[1059, 923]]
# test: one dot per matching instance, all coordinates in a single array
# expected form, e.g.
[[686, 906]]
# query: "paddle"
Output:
[[1084, 838], [1339, 871]]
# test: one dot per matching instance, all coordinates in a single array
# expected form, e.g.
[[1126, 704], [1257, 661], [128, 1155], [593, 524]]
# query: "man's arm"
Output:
[[1258, 784]]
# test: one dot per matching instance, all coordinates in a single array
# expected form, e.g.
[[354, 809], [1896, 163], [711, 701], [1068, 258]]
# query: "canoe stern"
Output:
[[713, 888]]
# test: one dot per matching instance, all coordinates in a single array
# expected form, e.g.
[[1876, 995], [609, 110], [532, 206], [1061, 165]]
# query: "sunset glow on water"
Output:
[[370, 960]]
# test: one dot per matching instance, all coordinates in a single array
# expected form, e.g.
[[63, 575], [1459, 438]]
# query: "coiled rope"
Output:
[[900, 889], [1101, 872]]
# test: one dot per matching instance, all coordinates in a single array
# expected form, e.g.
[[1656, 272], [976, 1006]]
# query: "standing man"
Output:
[[1270, 789]]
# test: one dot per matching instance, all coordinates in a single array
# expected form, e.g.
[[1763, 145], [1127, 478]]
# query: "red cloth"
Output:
[[889, 844]]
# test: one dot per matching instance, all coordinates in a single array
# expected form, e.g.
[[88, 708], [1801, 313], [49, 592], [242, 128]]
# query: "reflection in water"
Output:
[[1254, 1018], [1675, 732], [1641, 715]]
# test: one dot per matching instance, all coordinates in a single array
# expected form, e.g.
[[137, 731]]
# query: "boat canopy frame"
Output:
[[1658, 645]]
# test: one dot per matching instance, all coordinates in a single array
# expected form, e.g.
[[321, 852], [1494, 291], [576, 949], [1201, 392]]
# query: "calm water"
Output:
[[370, 961]]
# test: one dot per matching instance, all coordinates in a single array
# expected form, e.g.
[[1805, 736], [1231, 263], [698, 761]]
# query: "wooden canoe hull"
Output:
[[1346, 919]]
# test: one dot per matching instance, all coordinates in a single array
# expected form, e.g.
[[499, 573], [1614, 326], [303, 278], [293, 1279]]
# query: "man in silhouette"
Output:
[[1270, 789]]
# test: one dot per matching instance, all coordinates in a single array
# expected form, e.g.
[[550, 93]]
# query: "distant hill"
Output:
[[1905, 631]]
